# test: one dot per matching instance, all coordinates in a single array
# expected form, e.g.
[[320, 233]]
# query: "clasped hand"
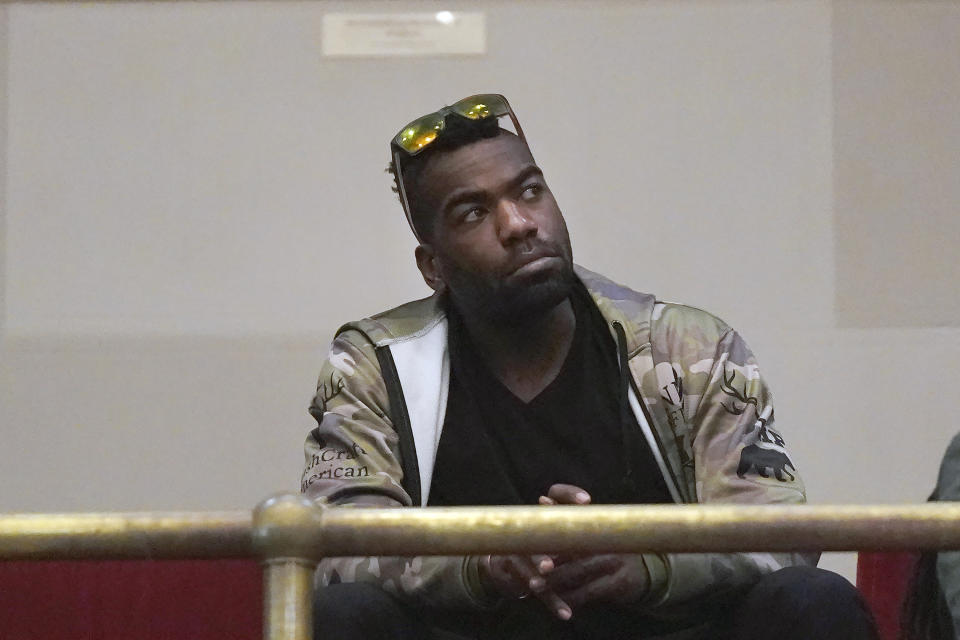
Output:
[[564, 582]]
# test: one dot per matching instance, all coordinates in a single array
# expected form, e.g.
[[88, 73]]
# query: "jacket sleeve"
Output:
[[729, 449], [352, 459], [948, 562]]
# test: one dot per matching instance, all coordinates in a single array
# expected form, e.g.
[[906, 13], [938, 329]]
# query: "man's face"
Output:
[[499, 244]]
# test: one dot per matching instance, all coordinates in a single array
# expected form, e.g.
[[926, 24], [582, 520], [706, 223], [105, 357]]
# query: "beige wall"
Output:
[[896, 86], [3, 165], [195, 201]]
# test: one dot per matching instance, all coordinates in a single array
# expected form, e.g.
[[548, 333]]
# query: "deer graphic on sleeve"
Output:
[[327, 391], [755, 456]]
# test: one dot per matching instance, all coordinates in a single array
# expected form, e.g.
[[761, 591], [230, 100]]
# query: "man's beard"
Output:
[[503, 302]]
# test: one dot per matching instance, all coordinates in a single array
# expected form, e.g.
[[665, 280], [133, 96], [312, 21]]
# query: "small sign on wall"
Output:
[[404, 34]]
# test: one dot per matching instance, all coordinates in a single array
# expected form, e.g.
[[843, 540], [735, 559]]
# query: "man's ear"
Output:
[[429, 267]]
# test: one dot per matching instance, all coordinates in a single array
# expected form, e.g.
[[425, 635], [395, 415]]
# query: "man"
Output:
[[525, 379], [948, 562], [931, 608]]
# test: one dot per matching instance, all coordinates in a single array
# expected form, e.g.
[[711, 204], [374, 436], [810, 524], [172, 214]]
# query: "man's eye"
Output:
[[471, 215], [531, 191]]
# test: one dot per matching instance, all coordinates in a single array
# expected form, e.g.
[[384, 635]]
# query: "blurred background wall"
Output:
[[193, 200]]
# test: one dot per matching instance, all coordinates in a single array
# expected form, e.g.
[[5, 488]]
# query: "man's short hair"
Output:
[[457, 132]]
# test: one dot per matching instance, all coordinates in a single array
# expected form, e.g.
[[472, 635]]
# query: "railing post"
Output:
[[287, 594], [286, 530]]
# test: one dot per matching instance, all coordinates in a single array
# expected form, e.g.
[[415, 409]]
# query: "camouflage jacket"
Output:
[[695, 390]]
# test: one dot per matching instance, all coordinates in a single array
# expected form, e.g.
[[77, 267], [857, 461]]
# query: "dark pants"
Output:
[[796, 603]]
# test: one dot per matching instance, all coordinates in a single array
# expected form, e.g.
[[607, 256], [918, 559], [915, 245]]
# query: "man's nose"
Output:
[[514, 223]]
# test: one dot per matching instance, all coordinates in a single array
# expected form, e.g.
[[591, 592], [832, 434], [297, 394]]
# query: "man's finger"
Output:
[[520, 569], [527, 578], [526, 573], [607, 588], [543, 564], [568, 494], [578, 571], [557, 605], [617, 578]]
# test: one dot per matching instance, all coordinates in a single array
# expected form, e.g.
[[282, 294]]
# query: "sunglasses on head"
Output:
[[419, 134]]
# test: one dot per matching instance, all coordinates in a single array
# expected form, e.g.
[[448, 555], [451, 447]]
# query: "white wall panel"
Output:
[[200, 168]]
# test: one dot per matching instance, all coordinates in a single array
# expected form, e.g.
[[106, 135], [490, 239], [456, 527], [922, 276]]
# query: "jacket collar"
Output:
[[618, 304]]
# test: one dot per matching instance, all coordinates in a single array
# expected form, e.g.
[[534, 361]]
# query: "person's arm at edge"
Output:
[[948, 562]]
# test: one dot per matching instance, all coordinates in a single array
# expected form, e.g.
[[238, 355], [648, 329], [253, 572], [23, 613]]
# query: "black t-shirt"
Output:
[[496, 449]]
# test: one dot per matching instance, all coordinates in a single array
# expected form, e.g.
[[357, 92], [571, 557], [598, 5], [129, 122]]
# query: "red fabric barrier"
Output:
[[883, 578], [141, 599], [222, 599]]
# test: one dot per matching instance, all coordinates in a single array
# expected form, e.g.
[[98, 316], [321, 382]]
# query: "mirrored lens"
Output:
[[420, 133], [482, 106]]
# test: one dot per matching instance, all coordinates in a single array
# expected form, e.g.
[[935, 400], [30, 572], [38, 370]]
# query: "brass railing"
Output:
[[290, 534]]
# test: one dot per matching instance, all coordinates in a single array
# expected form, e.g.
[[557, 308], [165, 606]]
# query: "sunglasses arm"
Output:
[[402, 192]]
